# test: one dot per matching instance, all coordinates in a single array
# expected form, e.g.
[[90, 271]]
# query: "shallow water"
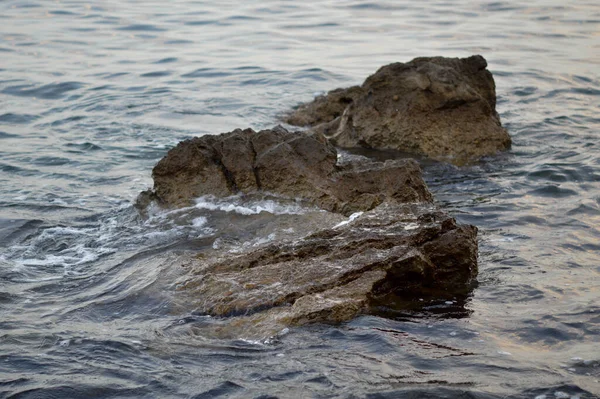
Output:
[[93, 94]]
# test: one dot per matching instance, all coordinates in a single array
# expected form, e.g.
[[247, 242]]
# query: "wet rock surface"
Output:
[[443, 108], [290, 164], [336, 273], [395, 242]]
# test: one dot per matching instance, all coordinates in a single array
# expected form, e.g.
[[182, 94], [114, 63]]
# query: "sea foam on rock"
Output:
[[442, 108], [396, 241]]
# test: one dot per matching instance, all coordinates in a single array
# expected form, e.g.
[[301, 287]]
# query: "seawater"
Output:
[[93, 94]]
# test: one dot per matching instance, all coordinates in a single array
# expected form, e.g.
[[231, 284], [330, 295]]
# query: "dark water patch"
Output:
[[243, 18], [207, 73], [546, 335], [223, 390], [525, 91], [83, 147], [558, 391], [6, 50], [156, 74], [4, 135], [51, 91], [434, 393], [69, 42], [42, 208], [289, 375], [179, 41], [548, 174], [27, 5], [315, 74], [80, 391], [375, 6], [116, 75], [553, 191], [141, 28], [585, 209], [70, 119], [102, 88], [13, 230], [11, 118], [167, 60], [203, 22], [81, 29], [61, 12], [311, 26], [8, 168], [52, 161]]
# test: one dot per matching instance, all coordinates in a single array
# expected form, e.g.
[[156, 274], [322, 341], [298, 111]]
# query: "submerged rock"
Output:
[[442, 108], [294, 165], [338, 272]]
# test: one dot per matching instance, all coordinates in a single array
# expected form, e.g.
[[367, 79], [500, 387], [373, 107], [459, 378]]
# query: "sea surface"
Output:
[[94, 93]]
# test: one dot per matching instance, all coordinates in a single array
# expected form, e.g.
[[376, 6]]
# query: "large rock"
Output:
[[340, 271], [396, 242], [442, 108], [294, 165]]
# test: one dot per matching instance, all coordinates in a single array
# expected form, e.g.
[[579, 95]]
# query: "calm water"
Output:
[[92, 94]]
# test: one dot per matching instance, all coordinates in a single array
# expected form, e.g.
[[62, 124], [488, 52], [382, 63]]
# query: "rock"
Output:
[[293, 165], [338, 272], [395, 242], [442, 108]]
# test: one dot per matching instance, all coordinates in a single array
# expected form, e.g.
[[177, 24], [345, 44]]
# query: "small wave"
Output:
[[51, 91], [237, 204], [141, 28]]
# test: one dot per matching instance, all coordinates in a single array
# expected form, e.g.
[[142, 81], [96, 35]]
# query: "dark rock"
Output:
[[294, 165], [443, 108]]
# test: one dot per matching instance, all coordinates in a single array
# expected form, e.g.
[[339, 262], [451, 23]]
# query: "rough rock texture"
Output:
[[336, 273], [443, 108], [295, 165], [401, 244]]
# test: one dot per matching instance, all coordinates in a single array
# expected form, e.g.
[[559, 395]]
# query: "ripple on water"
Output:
[[141, 28], [11, 118], [52, 91], [151, 74], [4, 135]]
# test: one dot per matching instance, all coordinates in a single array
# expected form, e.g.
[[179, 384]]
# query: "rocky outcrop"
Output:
[[395, 241], [338, 272], [442, 108], [294, 165]]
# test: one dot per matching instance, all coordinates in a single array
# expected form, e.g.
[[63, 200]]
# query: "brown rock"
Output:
[[401, 245], [443, 108], [294, 165], [337, 273]]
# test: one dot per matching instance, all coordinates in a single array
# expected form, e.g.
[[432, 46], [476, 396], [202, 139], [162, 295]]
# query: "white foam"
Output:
[[237, 205], [199, 222], [352, 217]]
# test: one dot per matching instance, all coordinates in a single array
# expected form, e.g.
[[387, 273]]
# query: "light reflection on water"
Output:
[[93, 94]]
